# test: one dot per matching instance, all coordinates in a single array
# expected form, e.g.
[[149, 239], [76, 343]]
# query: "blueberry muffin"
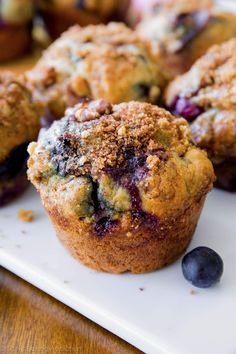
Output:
[[122, 184], [109, 62], [19, 124], [205, 96], [59, 15], [15, 28], [185, 29]]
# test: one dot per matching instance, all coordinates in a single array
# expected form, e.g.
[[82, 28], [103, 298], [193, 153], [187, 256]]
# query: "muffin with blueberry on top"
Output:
[[205, 96], [122, 184], [109, 62], [59, 15], [185, 29], [19, 124], [15, 28]]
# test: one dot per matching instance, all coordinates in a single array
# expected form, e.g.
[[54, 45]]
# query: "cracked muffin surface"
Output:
[[206, 97], [121, 180], [19, 124], [109, 62], [185, 29]]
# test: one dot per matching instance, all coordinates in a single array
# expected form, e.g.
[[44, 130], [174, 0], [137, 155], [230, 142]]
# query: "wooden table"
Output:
[[32, 321]]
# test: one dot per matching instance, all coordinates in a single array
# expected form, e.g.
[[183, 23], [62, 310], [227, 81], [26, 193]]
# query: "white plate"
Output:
[[156, 312]]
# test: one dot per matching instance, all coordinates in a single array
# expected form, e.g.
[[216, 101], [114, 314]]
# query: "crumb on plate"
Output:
[[25, 215]]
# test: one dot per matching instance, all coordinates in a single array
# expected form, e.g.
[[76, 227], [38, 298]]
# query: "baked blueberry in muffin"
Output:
[[122, 184], [109, 62], [15, 27], [185, 29], [205, 96], [59, 15], [19, 124]]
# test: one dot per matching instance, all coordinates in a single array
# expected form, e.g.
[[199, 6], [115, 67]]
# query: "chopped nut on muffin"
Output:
[[19, 124], [206, 96], [122, 184], [109, 62], [185, 29]]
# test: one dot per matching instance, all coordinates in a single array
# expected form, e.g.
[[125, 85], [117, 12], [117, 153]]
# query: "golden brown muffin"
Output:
[[15, 28], [19, 124], [206, 96], [122, 184], [109, 62], [185, 29], [59, 15]]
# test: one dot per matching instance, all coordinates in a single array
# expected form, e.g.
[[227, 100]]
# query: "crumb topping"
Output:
[[96, 135], [19, 117]]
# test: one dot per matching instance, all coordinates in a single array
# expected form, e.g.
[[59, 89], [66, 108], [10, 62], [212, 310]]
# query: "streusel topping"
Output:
[[96, 135], [19, 118]]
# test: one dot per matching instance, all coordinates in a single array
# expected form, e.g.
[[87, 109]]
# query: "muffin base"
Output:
[[142, 250], [58, 21], [226, 175], [15, 40]]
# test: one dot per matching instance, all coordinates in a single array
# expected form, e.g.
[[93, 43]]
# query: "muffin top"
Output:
[[103, 7], [173, 24], [19, 118], [207, 91], [130, 159], [16, 12], [109, 62]]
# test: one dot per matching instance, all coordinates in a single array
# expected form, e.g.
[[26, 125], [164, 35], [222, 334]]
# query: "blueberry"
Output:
[[185, 108], [202, 267]]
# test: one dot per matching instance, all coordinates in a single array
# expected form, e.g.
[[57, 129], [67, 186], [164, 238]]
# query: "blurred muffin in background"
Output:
[[206, 97], [15, 28], [104, 61], [185, 29], [134, 11], [123, 184], [59, 15], [19, 124]]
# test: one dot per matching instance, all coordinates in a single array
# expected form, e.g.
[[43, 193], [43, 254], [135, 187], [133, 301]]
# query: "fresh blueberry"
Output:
[[202, 267]]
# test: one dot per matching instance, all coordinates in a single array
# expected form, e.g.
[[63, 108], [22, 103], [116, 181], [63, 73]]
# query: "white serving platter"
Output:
[[156, 312]]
